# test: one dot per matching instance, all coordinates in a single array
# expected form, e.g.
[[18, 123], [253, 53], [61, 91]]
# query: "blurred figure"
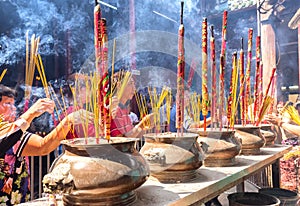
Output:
[[188, 122], [286, 131]]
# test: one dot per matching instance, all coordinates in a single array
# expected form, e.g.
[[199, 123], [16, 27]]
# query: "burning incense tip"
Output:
[[164, 16], [181, 12], [108, 5]]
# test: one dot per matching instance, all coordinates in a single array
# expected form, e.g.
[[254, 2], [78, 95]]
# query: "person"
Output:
[[290, 129], [188, 122], [82, 99], [121, 124], [16, 143]]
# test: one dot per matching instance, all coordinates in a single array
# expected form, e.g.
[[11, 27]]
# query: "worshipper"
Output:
[[16, 143], [121, 124]]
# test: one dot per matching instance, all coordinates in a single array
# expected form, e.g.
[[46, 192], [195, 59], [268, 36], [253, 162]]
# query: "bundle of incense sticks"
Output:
[[180, 76], [293, 113], [267, 100], [196, 106], [205, 100], [142, 106], [31, 56], [231, 105]]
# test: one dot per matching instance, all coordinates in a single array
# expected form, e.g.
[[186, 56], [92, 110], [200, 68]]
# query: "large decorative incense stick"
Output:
[[97, 35], [257, 78], [248, 72], [214, 79], [242, 83], [105, 81], [222, 68], [180, 76], [205, 100], [98, 46]]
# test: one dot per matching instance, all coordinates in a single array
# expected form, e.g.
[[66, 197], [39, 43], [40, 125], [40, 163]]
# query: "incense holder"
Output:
[[251, 138], [266, 131], [222, 146], [173, 158], [94, 172]]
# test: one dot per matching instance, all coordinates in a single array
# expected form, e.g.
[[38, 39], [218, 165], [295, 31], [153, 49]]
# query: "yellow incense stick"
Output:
[[2, 74]]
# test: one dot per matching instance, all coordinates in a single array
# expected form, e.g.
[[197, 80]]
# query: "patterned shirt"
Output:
[[121, 124], [14, 170]]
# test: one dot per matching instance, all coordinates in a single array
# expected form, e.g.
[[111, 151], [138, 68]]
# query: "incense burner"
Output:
[[173, 158], [222, 146], [266, 130], [251, 138], [94, 172]]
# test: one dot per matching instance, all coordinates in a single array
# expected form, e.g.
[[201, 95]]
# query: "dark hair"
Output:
[[7, 92]]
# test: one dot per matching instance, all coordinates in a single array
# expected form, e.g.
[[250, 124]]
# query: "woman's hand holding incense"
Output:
[[147, 122], [274, 119], [80, 117]]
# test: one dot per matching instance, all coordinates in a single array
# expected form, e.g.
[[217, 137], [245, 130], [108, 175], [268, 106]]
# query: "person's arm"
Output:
[[37, 145], [277, 120], [139, 129]]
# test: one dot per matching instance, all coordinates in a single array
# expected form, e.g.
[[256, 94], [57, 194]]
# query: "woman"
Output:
[[16, 143], [121, 124]]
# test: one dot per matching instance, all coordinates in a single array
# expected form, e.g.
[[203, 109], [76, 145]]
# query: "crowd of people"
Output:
[[17, 143]]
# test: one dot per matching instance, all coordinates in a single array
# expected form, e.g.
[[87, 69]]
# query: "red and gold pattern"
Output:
[[248, 71], [205, 99]]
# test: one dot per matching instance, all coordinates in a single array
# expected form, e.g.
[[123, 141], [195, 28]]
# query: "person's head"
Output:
[[7, 103], [82, 85], [280, 106], [125, 85]]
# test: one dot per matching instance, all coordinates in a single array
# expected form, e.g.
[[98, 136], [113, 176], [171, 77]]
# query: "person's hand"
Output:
[[147, 122], [79, 117], [38, 108], [114, 105], [274, 119]]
